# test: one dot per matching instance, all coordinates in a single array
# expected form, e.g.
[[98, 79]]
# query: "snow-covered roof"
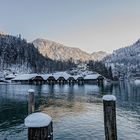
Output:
[[37, 120], [25, 77], [61, 74], [56, 75], [88, 72], [10, 76], [77, 76], [45, 76], [91, 76]]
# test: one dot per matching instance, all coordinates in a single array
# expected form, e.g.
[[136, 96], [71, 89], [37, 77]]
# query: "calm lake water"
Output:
[[77, 111]]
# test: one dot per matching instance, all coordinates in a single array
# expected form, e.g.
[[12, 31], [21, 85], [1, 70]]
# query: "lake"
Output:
[[77, 110]]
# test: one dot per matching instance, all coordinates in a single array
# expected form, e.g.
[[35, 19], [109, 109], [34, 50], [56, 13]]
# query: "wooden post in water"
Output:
[[39, 126], [109, 103], [31, 101]]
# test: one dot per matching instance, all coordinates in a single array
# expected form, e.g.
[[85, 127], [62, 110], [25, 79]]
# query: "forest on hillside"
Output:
[[21, 57]]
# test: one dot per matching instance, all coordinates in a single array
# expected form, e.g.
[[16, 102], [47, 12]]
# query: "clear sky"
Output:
[[90, 25]]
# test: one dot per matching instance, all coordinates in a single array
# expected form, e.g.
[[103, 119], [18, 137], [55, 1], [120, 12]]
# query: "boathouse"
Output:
[[80, 80], [100, 79], [61, 80], [93, 78], [10, 77], [37, 80], [61, 77], [71, 80], [24, 78], [51, 80]]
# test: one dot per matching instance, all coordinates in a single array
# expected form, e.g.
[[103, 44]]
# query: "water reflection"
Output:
[[76, 110], [127, 92]]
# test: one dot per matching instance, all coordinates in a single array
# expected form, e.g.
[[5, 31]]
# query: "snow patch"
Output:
[[10, 76], [91, 76], [25, 77], [137, 82], [109, 98], [38, 119], [31, 90]]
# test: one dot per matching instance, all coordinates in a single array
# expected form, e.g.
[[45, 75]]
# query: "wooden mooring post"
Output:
[[109, 103], [31, 101], [40, 125]]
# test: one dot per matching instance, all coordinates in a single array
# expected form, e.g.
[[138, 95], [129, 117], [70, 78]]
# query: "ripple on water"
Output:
[[77, 111]]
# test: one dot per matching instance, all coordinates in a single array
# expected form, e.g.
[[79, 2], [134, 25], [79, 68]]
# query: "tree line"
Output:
[[16, 52], [99, 66]]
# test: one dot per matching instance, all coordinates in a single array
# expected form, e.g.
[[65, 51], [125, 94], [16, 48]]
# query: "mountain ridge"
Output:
[[125, 61], [57, 51]]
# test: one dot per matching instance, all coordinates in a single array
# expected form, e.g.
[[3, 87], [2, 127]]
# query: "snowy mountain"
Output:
[[3, 33], [58, 51], [99, 55], [16, 55], [125, 61], [19, 56]]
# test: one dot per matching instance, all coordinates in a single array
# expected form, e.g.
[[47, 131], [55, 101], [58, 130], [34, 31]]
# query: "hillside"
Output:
[[58, 51], [125, 61], [18, 56], [99, 55]]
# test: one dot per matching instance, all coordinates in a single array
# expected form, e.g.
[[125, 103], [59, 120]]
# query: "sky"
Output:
[[91, 25]]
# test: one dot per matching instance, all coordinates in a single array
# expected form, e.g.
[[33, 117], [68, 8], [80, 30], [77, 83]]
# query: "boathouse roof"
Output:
[[77, 76], [92, 76], [25, 77], [65, 75], [56, 76], [46, 76], [10, 76]]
